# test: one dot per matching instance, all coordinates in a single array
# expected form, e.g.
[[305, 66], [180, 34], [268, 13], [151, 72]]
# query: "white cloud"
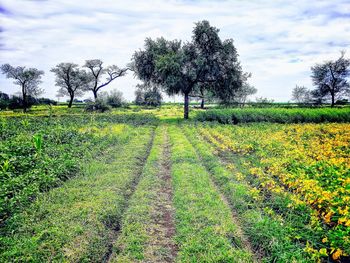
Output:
[[278, 41]]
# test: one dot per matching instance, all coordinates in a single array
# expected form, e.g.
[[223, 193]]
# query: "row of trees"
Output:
[[330, 80], [206, 68], [72, 80]]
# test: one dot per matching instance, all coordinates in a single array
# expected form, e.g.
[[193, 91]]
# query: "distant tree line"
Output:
[[205, 69], [16, 102]]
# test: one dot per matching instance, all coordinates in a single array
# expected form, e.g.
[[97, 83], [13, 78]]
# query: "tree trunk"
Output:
[[186, 106], [24, 97], [202, 103], [333, 99], [71, 101], [95, 94]]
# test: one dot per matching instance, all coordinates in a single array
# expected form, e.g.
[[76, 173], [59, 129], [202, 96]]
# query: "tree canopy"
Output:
[[301, 94], [181, 68]]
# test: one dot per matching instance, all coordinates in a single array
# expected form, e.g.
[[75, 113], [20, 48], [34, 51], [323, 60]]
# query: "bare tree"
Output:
[[27, 78], [71, 80], [330, 78], [97, 71], [301, 94], [241, 94]]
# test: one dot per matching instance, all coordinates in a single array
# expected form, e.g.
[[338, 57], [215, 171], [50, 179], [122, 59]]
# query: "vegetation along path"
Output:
[[148, 226], [171, 191]]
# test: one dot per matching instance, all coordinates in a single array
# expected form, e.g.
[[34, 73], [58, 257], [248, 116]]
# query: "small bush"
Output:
[[98, 106]]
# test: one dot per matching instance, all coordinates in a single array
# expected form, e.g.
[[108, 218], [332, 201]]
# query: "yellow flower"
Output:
[[336, 255], [324, 240], [327, 217]]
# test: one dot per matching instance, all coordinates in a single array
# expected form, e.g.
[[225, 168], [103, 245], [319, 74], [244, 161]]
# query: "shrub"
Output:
[[99, 106], [115, 99]]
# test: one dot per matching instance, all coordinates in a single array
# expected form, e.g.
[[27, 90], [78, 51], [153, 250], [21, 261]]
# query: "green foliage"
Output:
[[38, 142], [75, 222], [97, 106], [28, 168], [202, 216], [234, 116], [275, 240], [180, 68], [148, 96]]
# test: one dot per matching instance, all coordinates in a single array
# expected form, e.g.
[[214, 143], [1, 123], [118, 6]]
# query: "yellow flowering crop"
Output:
[[310, 162]]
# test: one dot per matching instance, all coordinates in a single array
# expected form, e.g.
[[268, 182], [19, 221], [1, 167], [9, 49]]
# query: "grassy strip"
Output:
[[234, 116], [76, 222], [40, 153], [205, 231], [139, 228], [269, 235]]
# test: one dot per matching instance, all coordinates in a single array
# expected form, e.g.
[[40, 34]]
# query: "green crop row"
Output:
[[38, 153], [277, 115]]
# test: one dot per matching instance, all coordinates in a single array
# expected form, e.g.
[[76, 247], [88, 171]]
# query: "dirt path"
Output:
[[161, 247]]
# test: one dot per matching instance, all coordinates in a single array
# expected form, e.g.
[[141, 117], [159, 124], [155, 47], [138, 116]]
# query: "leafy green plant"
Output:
[[38, 142]]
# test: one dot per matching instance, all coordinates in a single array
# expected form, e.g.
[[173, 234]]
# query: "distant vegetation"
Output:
[[205, 69], [278, 115]]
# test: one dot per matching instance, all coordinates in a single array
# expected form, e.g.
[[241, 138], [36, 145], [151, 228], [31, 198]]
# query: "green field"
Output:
[[143, 185]]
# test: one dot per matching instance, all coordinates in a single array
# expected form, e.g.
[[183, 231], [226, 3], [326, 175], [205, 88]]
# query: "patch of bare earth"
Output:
[[161, 246]]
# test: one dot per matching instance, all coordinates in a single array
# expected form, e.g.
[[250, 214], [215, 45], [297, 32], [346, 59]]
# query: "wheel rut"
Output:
[[239, 232], [162, 247], [116, 226]]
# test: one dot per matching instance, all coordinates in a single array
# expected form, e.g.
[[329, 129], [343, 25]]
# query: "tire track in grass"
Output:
[[268, 235], [116, 227], [239, 232], [148, 225], [74, 223], [162, 246], [205, 230]]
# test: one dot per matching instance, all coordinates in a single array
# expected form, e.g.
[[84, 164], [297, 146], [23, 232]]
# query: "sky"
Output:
[[277, 41]]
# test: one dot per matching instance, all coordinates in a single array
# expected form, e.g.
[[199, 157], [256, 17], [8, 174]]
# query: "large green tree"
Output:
[[182, 68], [331, 79]]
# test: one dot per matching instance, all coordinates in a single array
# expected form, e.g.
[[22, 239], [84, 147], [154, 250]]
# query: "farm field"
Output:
[[142, 185]]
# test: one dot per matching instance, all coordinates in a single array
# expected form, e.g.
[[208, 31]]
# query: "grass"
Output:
[[144, 236], [76, 222], [204, 228], [143, 185], [39, 153]]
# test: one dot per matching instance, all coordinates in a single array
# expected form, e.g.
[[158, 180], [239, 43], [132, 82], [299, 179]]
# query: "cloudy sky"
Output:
[[278, 41]]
